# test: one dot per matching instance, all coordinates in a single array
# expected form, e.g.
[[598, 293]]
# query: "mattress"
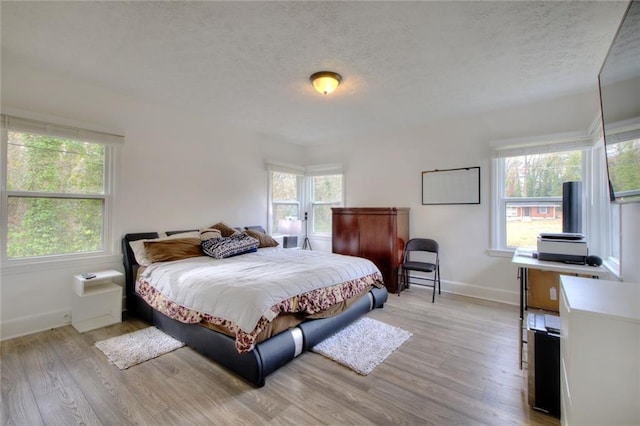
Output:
[[256, 295]]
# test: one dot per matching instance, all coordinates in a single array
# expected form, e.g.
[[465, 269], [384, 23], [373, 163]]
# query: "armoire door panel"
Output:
[[346, 234], [376, 243]]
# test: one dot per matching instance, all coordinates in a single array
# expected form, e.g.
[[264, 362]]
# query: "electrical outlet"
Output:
[[553, 293]]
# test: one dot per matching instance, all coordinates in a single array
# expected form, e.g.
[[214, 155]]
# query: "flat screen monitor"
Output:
[[619, 82]]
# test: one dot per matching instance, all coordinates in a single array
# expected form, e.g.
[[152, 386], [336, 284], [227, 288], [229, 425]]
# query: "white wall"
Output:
[[183, 171], [178, 171], [385, 170]]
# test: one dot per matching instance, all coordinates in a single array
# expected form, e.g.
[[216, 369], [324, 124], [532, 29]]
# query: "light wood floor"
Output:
[[460, 367]]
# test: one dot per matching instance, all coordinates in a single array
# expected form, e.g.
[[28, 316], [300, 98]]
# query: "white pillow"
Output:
[[140, 253]]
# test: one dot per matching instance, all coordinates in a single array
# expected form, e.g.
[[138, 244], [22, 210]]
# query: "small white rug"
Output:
[[363, 345], [131, 349]]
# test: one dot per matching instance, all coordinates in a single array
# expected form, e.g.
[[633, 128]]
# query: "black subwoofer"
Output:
[[572, 207]]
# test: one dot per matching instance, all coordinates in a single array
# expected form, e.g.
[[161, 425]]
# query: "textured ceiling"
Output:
[[623, 60], [247, 63]]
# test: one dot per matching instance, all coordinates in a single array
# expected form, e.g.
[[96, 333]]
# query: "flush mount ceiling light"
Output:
[[325, 81]]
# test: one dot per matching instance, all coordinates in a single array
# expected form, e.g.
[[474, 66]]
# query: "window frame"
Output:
[[312, 203], [605, 220], [305, 193], [49, 127], [499, 243], [530, 146], [271, 203]]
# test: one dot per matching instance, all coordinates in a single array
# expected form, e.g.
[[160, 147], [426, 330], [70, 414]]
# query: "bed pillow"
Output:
[[173, 249], [220, 248], [263, 239], [255, 228], [209, 233], [140, 253], [224, 229]]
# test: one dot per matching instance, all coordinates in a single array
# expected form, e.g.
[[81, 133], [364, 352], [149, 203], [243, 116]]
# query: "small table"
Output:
[[97, 301], [524, 260]]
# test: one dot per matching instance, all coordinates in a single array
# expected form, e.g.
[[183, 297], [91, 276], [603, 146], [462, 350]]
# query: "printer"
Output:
[[563, 247]]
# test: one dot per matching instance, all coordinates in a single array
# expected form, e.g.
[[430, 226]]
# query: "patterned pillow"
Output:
[[264, 239], [220, 248], [224, 229]]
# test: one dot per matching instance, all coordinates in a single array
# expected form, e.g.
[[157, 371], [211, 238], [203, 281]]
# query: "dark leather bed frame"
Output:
[[267, 356]]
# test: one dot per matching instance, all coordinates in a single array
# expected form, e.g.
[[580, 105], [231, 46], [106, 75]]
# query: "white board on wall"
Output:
[[451, 186]]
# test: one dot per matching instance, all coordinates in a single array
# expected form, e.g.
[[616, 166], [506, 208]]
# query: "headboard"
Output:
[[130, 264]]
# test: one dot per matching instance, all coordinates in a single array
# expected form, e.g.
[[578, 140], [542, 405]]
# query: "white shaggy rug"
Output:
[[130, 349], [363, 345]]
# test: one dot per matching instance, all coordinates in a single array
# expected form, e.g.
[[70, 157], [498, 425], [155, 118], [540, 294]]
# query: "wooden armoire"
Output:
[[375, 233]]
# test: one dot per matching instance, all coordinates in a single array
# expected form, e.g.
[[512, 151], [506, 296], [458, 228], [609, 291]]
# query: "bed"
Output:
[[286, 332]]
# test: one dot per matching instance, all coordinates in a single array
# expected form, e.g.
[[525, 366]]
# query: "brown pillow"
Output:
[[264, 239], [225, 230], [209, 233], [174, 249]]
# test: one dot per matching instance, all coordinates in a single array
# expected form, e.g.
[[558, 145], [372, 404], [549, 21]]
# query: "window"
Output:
[[57, 189], [531, 186], [525, 175], [527, 178], [285, 197], [295, 191], [326, 192]]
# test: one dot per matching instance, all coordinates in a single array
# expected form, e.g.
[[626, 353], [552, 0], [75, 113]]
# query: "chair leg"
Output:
[[400, 281], [433, 296], [436, 281]]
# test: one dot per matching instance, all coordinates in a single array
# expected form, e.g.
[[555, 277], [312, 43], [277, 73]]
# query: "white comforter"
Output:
[[243, 288]]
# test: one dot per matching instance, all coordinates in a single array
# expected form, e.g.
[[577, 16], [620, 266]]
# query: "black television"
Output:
[[619, 83]]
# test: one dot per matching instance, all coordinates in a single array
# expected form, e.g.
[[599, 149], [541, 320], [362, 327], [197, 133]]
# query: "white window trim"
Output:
[[570, 141], [498, 230], [55, 126], [304, 190], [526, 146], [600, 226]]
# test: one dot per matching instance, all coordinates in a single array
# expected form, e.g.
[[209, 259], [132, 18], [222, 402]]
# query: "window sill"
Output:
[[613, 268], [21, 266], [326, 237], [500, 252]]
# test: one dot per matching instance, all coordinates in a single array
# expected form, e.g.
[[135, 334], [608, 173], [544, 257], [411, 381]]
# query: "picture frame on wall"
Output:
[[451, 186]]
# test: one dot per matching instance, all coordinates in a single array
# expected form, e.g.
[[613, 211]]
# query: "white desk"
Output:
[[524, 261]]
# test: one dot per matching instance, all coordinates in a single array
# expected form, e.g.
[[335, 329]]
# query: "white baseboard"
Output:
[[510, 297], [479, 292], [34, 323]]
